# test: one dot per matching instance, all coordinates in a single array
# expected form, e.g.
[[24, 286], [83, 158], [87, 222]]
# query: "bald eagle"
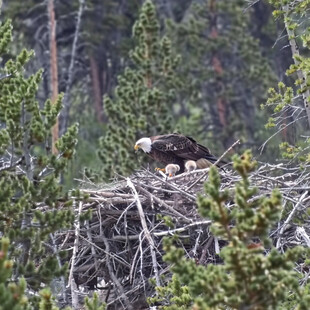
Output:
[[172, 169], [175, 149], [190, 165]]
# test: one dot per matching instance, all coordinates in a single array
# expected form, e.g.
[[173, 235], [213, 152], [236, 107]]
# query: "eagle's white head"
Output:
[[144, 144]]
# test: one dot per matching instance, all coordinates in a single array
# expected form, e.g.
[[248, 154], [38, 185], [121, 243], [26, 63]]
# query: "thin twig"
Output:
[[71, 281], [114, 278], [301, 232], [67, 104], [176, 188], [145, 230], [164, 204], [290, 217], [219, 159], [62, 278]]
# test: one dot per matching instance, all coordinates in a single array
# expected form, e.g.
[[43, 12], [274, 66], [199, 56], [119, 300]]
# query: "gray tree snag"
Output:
[[66, 102], [295, 52], [53, 67]]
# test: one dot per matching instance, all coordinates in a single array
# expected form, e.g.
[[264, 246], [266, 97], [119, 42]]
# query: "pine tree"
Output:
[[248, 277], [288, 101], [226, 76], [12, 295], [33, 205], [144, 97], [30, 194], [94, 303]]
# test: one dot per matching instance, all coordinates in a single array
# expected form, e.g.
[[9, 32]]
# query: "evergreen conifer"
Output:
[[254, 275], [288, 101], [225, 75], [31, 210], [12, 295], [144, 97]]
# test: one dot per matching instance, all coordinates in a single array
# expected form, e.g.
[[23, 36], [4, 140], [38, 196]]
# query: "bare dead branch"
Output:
[[67, 104], [129, 223], [146, 230], [114, 278]]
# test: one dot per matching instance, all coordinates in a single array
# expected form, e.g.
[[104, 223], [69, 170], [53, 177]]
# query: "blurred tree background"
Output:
[[118, 70], [231, 52]]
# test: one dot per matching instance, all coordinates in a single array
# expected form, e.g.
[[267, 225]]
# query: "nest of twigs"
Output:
[[120, 249]]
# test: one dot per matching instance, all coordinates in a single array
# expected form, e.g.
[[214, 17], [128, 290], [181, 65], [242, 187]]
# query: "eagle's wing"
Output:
[[206, 154], [182, 146], [175, 143]]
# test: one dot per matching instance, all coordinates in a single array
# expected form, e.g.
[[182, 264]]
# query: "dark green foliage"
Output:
[[94, 303], [226, 76], [250, 277], [47, 302], [31, 197], [116, 20], [222, 64], [30, 191], [142, 102], [104, 40], [287, 100], [12, 295]]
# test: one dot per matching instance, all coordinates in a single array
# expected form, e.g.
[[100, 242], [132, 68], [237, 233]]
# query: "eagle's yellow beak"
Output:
[[137, 147]]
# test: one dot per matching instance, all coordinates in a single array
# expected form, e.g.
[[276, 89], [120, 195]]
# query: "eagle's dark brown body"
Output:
[[177, 149]]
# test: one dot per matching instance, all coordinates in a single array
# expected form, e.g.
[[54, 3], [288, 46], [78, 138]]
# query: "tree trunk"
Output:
[[67, 103], [218, 69], [53, 67], [295, 52], [96, 88]]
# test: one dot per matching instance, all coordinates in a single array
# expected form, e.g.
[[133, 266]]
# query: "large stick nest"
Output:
[[121, 247]]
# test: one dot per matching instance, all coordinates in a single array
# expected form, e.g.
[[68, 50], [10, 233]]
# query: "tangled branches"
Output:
[[119, 249]]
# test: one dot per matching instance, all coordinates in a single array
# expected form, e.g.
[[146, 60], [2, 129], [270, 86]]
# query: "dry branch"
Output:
[[67, 104], [120, 248], [145, 230]]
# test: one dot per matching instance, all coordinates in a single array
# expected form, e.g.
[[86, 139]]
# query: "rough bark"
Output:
[[96, 88], [295, 52], [53, 67], [67, 103], [221, 102]]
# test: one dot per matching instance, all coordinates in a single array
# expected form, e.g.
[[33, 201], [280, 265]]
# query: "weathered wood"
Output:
[[53, 68], [121, 245]]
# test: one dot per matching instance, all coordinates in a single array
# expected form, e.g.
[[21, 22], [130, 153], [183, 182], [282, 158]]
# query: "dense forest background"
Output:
[[80, 211], [230, 54]]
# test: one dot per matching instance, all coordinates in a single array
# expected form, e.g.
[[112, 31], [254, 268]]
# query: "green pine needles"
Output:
[[286, 98], [94, 303], [12, 295], [31, 196], [254, 275], [224, 73], [143, 98], [30, 191]]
